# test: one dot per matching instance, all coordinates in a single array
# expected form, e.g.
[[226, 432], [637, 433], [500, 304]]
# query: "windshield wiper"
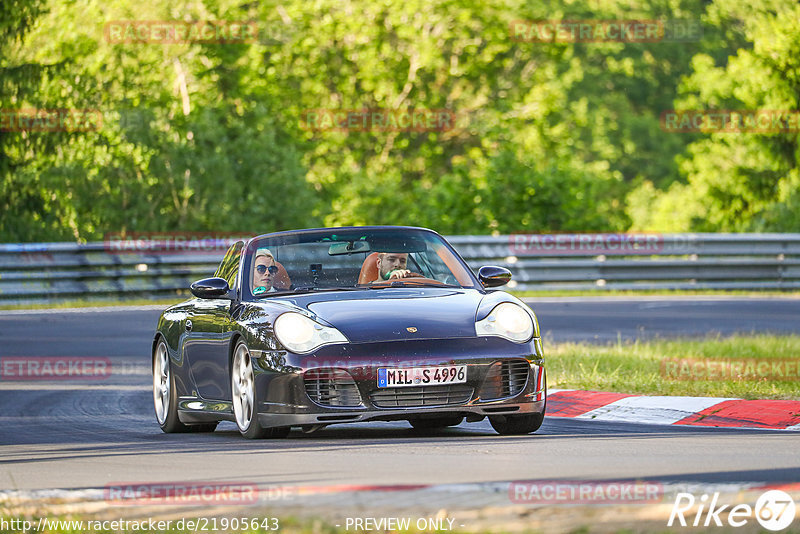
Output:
[[410, 283]]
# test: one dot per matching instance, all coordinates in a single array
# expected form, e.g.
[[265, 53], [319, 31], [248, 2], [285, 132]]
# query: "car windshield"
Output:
[[352, 259]]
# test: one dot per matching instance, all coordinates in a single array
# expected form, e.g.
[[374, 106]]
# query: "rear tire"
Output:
[[515, 425], [244, 398], [437, 423]]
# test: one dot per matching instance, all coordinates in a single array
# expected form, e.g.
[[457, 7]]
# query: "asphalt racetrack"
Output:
[[83, 435]]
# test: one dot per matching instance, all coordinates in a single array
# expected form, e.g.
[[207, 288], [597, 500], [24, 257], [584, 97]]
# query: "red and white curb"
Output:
[[664, 410]]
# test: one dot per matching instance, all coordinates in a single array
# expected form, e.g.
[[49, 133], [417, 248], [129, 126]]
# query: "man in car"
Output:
[[264, 272], [392, 266]]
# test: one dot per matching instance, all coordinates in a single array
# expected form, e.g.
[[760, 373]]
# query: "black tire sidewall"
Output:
[[517, 424], [433, 424]]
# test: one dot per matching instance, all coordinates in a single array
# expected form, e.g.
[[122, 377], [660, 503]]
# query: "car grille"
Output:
[[408, 397], [505, 379], [331, 387]]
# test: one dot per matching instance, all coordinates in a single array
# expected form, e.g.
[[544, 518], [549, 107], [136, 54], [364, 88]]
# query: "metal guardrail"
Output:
[[47, 272]]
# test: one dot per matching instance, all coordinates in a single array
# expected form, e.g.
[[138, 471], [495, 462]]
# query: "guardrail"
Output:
[[47, 272]]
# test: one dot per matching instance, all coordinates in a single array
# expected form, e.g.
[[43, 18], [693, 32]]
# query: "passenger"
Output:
[[264, 272]]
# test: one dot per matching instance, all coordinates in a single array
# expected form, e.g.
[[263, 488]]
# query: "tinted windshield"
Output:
[[352, 259]]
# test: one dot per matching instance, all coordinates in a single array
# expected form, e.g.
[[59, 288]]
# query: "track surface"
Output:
[[603, 320], [89, 435]]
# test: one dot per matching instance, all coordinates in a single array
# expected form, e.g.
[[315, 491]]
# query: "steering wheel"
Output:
[[419, 279]]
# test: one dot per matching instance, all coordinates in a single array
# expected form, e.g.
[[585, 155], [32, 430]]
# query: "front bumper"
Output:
[[283, 400], [472, 413]]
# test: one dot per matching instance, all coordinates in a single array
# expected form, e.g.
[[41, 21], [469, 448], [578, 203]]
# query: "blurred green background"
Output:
[[548, 137]]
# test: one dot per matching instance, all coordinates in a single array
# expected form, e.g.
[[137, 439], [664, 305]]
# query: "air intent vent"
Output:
[[505, 379], [331, 387], [444, 395]]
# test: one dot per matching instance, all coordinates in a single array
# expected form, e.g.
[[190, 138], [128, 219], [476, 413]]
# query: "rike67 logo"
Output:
[[774, 510]]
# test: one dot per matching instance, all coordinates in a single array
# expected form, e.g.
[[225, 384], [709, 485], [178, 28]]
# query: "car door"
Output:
[[208, 340]]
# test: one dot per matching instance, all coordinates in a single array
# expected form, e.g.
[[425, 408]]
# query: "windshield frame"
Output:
[[300, 236]]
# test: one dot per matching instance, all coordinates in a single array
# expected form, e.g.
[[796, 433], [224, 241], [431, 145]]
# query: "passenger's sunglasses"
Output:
[[261, 269]]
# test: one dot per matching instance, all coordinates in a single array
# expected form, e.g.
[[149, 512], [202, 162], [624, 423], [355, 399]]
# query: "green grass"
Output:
[[636, 367], [94, 303]]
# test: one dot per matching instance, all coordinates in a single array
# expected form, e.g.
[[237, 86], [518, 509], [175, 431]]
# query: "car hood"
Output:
[[396, 314]]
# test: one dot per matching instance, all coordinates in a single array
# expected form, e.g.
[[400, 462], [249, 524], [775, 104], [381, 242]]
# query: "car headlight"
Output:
[[506, 320], [300, 334]]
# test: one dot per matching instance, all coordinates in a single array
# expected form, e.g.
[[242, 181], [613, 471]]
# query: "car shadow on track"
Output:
[[94, 443]]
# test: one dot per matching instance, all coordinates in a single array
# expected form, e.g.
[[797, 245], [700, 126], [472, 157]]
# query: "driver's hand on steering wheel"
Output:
[[402, 273], [398, 273]]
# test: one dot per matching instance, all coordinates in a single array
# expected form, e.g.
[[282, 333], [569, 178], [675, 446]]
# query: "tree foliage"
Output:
[[547, 136], [746, 181]]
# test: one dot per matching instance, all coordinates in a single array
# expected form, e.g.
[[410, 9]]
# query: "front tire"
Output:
[[515, 425], [203, 427], [437, 423], [165, 398], [244, 398]]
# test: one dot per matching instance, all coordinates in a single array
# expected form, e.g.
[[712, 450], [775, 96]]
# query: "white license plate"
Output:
[[421, 376]]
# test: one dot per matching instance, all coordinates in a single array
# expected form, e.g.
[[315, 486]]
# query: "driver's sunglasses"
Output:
[[261, 269]]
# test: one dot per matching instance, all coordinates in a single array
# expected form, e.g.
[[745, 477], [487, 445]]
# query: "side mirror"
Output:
[[492, 276], [211, 288]]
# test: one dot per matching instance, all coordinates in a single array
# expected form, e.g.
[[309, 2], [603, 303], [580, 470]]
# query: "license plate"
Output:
[[421, 376]]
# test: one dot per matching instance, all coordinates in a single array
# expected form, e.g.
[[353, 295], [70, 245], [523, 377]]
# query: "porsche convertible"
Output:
[[316, 327]]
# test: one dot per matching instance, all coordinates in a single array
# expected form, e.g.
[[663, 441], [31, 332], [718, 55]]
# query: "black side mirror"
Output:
[[211, 288], [492, 276]]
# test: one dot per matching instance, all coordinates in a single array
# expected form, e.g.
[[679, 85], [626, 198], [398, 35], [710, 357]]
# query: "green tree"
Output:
[[738, 181], [185, 143], [547, 136]]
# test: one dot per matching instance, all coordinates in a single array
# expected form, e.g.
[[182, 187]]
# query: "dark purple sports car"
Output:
[[338, 325]]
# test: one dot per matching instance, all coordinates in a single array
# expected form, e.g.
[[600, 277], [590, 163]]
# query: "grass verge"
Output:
[[58, 305], [646, 367]]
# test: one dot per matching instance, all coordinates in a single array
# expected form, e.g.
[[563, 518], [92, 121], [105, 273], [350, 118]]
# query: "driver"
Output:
[[264, 272], [392, 266]]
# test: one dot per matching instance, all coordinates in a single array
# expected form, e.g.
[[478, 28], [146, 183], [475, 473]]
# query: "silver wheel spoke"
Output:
[[249, 399], [242, 388], [161, 383], [246, 408], [236, 389]]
